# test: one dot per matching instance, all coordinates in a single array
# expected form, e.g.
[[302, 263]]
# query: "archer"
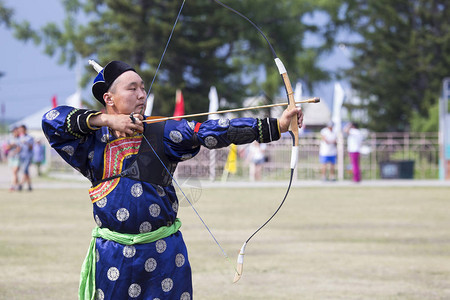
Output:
[[137, 248]]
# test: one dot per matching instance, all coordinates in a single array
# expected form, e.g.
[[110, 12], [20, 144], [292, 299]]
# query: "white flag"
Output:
[[338, 100], [213, 102], [298, 92], [149, 108], [74, 100]]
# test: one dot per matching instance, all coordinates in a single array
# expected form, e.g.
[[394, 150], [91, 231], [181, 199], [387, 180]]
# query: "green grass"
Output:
[[325, 243]]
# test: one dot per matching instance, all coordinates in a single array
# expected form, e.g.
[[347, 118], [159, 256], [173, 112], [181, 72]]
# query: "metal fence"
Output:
[[420, 148]]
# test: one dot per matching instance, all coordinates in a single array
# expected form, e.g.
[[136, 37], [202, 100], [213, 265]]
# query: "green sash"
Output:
[[87, 278]]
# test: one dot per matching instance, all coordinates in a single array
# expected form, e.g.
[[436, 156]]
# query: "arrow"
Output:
[[160, 119]]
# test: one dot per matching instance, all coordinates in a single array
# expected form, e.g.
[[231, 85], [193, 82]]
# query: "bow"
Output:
[[293, 130]]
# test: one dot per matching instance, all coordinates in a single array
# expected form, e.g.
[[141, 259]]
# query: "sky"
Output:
[[32, 78]]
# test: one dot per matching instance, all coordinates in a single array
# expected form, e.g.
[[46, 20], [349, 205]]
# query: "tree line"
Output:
[[400, 50]]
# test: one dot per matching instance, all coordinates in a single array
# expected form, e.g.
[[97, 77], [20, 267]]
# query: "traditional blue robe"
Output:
[[158, 270]]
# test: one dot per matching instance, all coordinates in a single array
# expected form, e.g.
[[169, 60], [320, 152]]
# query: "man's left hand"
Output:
[[285, 120]]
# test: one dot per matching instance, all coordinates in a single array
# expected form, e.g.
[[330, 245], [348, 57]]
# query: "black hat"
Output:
[[106, 77]]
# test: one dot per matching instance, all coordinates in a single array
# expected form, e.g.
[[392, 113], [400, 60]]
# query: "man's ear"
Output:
[[107, 97]]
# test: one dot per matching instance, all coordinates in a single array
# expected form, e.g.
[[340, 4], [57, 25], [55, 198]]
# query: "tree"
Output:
[[401, 58], [210, 45]]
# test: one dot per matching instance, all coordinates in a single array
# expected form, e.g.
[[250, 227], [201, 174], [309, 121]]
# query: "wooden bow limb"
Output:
[[161, 119]]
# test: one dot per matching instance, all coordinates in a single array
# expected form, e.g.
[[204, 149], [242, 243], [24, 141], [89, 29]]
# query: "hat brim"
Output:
[[98, 90]]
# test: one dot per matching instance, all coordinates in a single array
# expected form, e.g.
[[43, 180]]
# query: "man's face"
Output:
[[127, 94]]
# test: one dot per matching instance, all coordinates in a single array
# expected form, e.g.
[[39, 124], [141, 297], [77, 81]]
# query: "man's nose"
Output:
[[142, 94]]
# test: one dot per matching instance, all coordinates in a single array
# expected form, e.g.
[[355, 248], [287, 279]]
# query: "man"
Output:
[[328, 152], [25, 157], [13, 154], [354, 141], [138, 250], [38, 155]]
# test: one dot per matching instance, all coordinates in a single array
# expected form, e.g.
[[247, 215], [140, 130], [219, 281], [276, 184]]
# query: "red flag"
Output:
[[54, 101], [179, 105]]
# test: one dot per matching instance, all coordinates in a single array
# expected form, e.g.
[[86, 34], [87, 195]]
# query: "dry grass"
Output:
[[326, 243]]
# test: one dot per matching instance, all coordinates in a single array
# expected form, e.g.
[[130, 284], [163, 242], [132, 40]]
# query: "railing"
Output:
[[422, 148]]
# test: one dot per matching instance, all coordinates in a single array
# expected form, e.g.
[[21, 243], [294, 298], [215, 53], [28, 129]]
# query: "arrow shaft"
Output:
[[312, 100]]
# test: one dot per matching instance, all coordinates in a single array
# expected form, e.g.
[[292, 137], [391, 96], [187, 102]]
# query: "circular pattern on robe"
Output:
[[191, 125], [150, 265], [210, 141], [113, 274], [99, 295], [91, 155], [223, 123], [129, 251], [154, 210], [161, 246], [122, 214], [97, 255], [134, 290], [176, 136], [98, 221], [105, 138], [136, 190], [185, 296], [68, 149], [160, 190], [179, 260], [167, 285], [175, 206], [102, 202], [51, 115], [145, 227]]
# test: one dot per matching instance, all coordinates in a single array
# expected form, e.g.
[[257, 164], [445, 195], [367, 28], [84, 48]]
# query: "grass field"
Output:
[[325, 243]]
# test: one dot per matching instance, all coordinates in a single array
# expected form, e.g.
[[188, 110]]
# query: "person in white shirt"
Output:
[[354, 141], [328, 152]]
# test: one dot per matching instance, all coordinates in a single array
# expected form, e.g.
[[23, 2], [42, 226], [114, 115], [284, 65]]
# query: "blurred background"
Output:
[[381, 64]]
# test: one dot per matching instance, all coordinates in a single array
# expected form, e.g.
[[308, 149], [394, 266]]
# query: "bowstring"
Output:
[[189, 201], [292, 134], [165, 48], [165, 167]]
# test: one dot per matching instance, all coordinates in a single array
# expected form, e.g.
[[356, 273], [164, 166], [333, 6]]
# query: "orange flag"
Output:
[[179, 105]]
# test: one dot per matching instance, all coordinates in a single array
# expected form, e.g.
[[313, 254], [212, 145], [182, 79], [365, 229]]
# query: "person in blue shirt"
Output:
[[25, 156], [137, 249]]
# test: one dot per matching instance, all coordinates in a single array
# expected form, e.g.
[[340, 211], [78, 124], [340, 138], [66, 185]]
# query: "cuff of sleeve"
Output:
[[78, 122], [269, 130]]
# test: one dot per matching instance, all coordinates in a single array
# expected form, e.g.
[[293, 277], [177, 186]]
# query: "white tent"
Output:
[[32, 122]]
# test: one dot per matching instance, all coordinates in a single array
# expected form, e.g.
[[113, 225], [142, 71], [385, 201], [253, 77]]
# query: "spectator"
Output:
[[354, 141], [25, 156], [13, 153], [257, 157], [38, 155], [328, 152]]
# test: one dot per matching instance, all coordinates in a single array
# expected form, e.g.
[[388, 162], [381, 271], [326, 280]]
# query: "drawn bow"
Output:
[[293, 130]]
